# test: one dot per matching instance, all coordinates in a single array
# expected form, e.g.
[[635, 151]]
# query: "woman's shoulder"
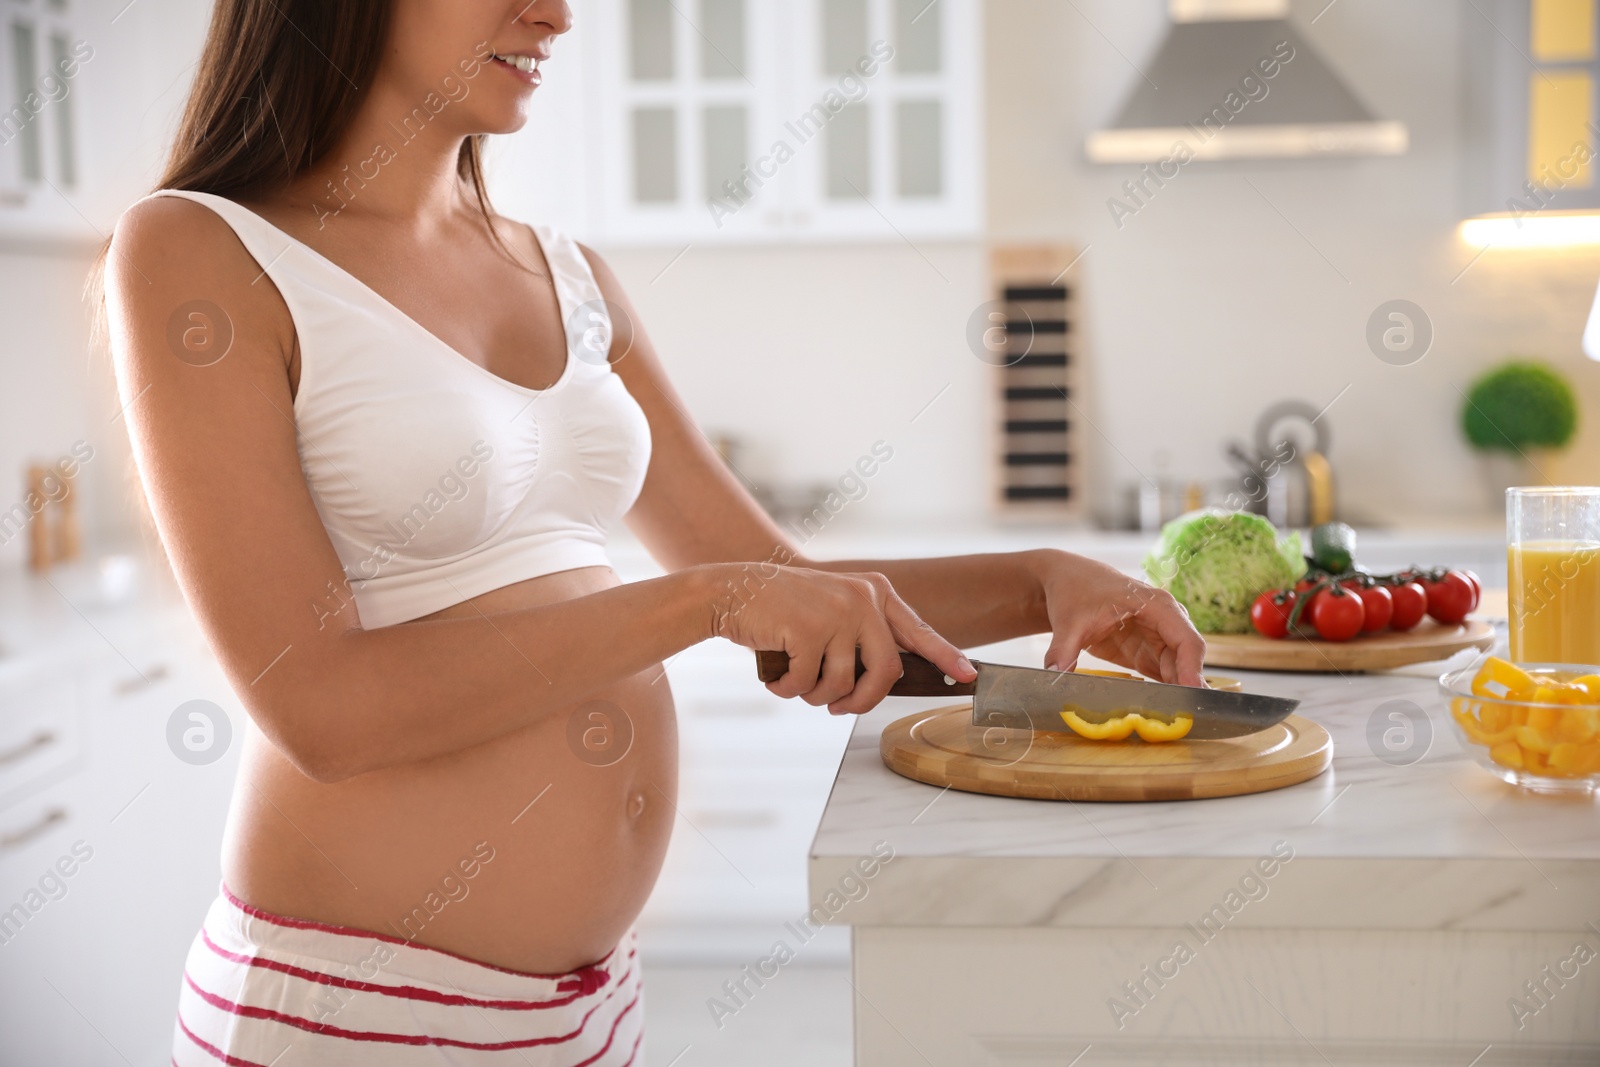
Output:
[[167, 252], [174, 232]]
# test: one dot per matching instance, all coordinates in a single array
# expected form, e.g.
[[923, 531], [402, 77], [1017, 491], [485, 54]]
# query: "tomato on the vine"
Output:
[[1270, 613], [1377, 603], [1450, 598], [1410, 605], [1336, 613], [1477, 587]]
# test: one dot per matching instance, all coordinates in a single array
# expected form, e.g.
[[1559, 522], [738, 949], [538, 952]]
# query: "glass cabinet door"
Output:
[[890, 90], [744, 120], [40, 58], [685, 86]]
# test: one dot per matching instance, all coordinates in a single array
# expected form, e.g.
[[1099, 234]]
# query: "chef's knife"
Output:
[[1023, 698]]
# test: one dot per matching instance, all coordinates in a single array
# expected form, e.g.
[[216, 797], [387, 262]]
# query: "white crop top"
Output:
[[436, 479]]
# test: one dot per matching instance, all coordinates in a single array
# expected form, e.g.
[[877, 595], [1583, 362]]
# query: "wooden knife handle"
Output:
[[921, 678]]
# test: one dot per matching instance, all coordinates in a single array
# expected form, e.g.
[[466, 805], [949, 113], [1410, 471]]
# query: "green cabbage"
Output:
[[1217, 562]]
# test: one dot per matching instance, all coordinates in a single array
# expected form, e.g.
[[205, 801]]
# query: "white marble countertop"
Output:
[[1440, 843]]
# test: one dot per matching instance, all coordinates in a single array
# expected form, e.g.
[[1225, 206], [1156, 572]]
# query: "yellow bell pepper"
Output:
[[1559, 738], [1511, 678], [1507, 754], [1497, 716], [1567, 757], [1482, 736], [1111, 730], [1533, 740], [1124, 726], [1156, 730], [1578, 724]]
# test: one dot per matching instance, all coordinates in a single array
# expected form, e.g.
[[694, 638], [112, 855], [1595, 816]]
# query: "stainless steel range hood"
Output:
[[1234, 80]]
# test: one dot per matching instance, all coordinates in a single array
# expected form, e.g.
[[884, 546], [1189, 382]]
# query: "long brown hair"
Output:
[[278, 83]]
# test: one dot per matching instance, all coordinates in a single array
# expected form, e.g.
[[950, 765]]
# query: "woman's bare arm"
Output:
[[972, 600], [216, 450]]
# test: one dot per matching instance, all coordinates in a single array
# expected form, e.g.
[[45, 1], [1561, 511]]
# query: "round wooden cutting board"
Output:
[[1370, 652], [943, 748]]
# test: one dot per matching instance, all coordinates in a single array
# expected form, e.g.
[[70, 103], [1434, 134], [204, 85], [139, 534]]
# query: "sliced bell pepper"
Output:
[[1124, 726], [1485, 737], [1111, 730], [1507, 754], [1511, 679], [1156, 730]]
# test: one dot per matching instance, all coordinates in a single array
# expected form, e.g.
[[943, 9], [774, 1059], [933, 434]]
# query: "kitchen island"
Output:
[[1404, 907]]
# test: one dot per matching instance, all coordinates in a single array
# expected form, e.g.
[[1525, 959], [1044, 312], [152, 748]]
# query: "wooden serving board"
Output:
[[943, 748], [1429, 641]]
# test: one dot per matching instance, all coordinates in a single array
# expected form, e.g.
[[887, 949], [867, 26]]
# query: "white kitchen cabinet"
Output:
[[89, 970], [729, 121], [42, 117]]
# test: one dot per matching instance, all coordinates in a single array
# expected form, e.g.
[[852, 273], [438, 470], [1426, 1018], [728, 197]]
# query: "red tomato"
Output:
[[1410, 604], [1450, 598], [1270, 616], [1303, 584], [1337, 614], [1477, 588], [1377, 601]]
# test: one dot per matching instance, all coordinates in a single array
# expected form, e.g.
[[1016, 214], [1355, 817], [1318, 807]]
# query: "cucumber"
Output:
[[1333, 547]]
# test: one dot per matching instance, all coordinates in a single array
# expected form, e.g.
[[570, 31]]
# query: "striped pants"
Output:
[[261, 989]]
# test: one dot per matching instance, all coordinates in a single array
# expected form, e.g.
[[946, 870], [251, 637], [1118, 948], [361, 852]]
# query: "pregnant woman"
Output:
[[384, 433]]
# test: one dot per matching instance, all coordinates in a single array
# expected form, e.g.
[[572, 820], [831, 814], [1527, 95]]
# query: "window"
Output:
[[740, 120], [1561, 90], [1532, 108]]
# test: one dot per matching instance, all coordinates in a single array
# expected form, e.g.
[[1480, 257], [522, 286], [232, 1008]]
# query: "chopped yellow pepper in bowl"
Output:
[[1533, 724]]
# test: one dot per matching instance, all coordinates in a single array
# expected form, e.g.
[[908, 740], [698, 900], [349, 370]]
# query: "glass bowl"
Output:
[[1549, 745]]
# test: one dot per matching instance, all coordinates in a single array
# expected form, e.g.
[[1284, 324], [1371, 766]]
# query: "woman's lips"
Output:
[[527, 77]]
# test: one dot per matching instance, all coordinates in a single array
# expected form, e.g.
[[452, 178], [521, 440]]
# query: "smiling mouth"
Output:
[[524, 64]]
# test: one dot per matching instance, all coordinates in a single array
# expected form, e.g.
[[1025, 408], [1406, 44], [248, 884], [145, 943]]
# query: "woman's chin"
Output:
[[509, 118]]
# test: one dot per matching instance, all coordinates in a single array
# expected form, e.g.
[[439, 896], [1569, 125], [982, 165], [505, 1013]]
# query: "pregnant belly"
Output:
[[533, 852]]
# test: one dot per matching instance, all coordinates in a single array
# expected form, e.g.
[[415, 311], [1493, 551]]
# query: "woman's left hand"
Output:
[[1097, 609]]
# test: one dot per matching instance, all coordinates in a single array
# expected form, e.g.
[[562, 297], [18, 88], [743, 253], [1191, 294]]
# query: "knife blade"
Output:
[[1024, 698]]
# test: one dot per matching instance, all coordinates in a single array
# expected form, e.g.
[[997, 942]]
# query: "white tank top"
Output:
[[436, 479]]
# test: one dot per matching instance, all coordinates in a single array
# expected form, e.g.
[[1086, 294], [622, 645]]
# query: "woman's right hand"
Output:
[[820, 618]]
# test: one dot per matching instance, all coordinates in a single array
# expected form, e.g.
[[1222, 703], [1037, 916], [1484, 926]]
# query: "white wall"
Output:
[[813, 353]]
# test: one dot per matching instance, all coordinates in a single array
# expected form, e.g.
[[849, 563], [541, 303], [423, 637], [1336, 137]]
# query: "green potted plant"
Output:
[[1512, 414]]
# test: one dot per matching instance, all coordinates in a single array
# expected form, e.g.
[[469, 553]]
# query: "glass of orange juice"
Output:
[[1553, 573]]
